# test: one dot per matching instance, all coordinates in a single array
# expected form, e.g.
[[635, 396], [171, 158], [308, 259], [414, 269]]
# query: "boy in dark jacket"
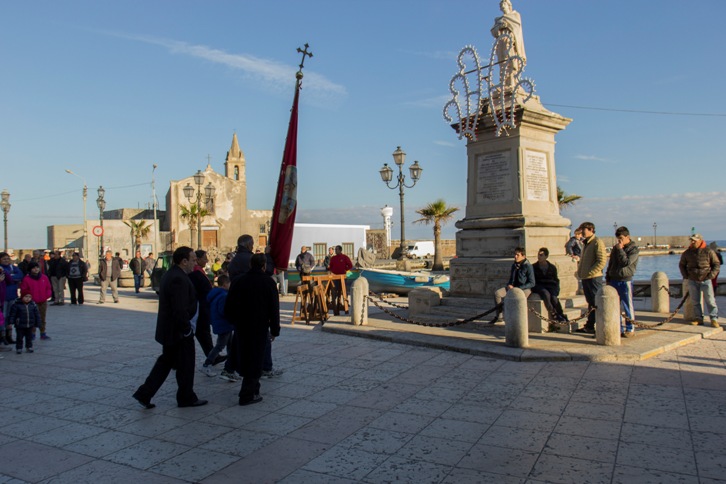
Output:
[[521, 275], [25, 316], [621, 268]]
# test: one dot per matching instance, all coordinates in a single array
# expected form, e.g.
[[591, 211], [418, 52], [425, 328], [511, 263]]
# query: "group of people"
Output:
[[26, 288], [243, 311], [335, 262], [699, 266]]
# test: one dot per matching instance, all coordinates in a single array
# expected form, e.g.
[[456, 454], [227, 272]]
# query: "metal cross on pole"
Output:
[[304, 53]]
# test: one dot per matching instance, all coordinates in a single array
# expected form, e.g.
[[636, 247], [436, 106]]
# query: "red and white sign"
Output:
[[97, 231]]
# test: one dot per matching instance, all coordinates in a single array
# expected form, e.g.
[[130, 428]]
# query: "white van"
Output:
[[423, 248]]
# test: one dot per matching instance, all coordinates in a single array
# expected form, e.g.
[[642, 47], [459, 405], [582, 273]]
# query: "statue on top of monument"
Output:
[[509, 45]]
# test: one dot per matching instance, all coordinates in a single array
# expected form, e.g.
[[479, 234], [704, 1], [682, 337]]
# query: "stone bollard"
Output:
[[689, 312], [607, 316], [659, 296], [515, 327], [422, 300], [359, 302]]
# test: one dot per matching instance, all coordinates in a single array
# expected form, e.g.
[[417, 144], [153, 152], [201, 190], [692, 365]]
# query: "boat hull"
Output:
[[380, 281]]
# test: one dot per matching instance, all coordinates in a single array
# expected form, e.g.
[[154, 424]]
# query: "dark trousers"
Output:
[[253, 356], [203, 333], [180, 357], [590, 288], [23, 333], [75, 285], [267, 362], [550, 300]]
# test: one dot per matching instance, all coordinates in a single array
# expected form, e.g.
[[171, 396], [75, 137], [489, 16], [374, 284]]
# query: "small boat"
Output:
[[381, 280]]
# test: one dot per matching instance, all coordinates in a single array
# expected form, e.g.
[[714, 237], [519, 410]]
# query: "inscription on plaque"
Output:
[[494, 178], [537, 180]]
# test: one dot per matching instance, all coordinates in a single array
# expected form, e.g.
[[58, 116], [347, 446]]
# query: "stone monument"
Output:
[[512, 186]]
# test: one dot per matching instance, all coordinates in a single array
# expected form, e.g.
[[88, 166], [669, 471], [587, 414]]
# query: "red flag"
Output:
[[283, 215]]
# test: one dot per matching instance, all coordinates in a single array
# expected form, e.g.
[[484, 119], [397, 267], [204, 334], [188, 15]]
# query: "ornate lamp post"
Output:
[[208, 197], [399, 157], [157, 245], [655, 235], [101, 207], [5, 203], [85, 196]]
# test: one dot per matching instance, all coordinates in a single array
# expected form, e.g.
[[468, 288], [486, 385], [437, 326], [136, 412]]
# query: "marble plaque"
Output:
[[537, 186], [494, 177]]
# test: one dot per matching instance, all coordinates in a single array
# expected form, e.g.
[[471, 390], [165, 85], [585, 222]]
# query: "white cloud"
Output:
[[592, 158], [448, 144], [269, 72]]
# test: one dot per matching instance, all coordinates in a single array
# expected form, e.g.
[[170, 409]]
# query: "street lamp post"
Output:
[[615, 226], [655, 235], [399, 157], [5, 203], [85, 196], [208, 197], [101, 207], [157, 245]]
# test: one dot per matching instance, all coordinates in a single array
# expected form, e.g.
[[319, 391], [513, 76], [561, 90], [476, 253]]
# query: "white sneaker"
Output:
[[208, 370]]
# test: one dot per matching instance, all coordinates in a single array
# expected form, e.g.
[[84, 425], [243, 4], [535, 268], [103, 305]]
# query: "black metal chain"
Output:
[[419, 323]]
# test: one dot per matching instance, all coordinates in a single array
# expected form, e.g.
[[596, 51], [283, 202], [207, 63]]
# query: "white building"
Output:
[[321, 236]]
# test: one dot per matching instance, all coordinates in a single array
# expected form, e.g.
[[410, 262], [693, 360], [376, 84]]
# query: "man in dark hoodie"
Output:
[[619, 274]]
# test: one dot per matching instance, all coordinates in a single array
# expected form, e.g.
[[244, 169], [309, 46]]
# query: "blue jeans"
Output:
[[223, 341], [138, 281], [625, 291], [695, 289], [590, 288]]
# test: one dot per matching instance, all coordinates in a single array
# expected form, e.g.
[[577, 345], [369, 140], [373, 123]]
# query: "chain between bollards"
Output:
[[419, 323]]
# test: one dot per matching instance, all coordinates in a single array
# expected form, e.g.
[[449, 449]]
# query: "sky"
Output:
[[108, 89]]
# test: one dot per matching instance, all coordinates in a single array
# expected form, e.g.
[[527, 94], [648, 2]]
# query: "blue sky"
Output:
[[107, 89]]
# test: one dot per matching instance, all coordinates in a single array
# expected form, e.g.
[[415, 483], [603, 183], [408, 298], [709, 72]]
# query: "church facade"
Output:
[[227, 214]]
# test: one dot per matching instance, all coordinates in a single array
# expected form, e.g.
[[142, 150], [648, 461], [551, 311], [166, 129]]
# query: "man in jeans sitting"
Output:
[[521, 276], [699, 264]]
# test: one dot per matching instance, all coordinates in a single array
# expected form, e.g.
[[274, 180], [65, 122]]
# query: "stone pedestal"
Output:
[[511, 201]]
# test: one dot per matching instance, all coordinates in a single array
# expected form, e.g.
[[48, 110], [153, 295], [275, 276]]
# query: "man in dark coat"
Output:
[[174, 332], [241, 262], [253, 307]]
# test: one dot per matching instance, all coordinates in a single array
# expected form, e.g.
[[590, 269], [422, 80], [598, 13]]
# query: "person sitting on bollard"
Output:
[[521, 275], [619, 274], [547, 285]]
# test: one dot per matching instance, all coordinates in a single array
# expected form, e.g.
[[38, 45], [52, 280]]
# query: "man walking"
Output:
[[58, 274], [109, 270], [621, 268], [174, 332], [698, 266], [137, 269], [592, 262], [253, 307]]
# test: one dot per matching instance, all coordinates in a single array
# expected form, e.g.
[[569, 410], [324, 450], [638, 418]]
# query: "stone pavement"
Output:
[[351, 409]]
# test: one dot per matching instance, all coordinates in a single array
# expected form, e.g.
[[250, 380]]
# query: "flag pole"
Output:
[[285, 208]]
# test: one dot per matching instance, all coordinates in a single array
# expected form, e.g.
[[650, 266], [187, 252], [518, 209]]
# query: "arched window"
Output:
[[236, 173]]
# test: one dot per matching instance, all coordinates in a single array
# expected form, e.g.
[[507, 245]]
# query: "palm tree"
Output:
[[139, 230], [436, 213], [189, 215], [565, 200]]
